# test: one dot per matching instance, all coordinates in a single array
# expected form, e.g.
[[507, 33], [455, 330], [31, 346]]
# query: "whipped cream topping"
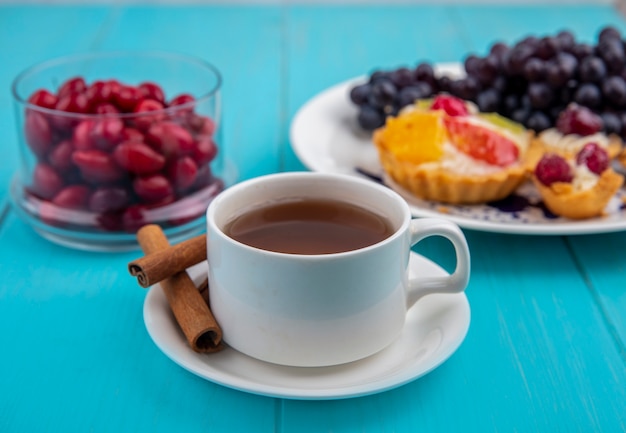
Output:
[[584, 178], [572, 142]]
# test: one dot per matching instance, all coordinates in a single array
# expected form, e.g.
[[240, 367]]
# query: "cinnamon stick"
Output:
[[160, 264], [190, 309]]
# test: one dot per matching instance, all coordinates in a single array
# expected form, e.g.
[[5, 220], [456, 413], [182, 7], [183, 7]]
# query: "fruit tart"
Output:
[[576, 126], [578, 188], [444, 150]]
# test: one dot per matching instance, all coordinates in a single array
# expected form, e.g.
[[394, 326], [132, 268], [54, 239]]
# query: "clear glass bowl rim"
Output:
[[132, 55]]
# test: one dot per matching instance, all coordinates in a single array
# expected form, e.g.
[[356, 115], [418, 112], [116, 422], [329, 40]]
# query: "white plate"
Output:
[[326, 137], [435, 328]]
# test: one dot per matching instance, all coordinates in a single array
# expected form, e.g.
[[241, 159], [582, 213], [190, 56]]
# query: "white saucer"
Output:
[[436, 326]]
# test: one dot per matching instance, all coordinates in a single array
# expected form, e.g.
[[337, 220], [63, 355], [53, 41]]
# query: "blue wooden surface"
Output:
[[546, 350]]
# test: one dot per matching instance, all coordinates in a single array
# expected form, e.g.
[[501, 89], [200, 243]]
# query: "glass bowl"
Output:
[[112, 141]]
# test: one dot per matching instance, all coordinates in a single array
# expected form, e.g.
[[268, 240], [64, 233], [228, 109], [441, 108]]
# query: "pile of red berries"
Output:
[[116, 150], [530, 82]]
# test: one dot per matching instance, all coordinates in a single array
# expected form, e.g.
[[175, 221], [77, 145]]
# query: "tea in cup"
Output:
[[311, 269]]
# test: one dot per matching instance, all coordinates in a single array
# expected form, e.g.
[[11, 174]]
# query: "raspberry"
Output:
[[451, 105], [577, 119], [594, 157], [553, 168]]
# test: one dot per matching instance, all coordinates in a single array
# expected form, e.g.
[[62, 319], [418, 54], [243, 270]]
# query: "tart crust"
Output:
[[561, 198], [434, 183]]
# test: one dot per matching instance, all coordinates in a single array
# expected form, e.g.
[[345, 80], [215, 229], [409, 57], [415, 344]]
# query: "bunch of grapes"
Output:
[[530, 82]]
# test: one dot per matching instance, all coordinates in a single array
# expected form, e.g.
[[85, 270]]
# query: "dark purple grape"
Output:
[[622, 119], [471, 63], [517, 58], [499, 50], [444, 83], [589, 95], [488, 69], [547, 47], [556, 76], [612, 123], [370, 118], [488, 100], [555, 111], [530, 41], [612, 52], [401, 77], [383, 93], [538, 121], [582, 50], [609, 33], [592, 69], [425, 72], [500, 83], [566, 40], [614, 91], [521, 115], [378, 75], [359, 94], [540, 94], [410, 94], [465, 88], [535, 69], [510, 103]]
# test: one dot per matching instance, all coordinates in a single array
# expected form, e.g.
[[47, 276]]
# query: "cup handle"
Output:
[[456, 282]]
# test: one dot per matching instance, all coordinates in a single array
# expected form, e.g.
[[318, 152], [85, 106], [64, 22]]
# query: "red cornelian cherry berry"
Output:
[[109, 199], [137, 157], [205, 150], [553, 168], [37, 132], [131, 134], [72, 197], [170, 139], [46, 181], [97, 166], [81, 136], [105, 109], [70, 103], [152, 188], [578, 119], [182, 99], [126, 98], [60, 157], [183, 172], [152, 90], [73, 85], [451, 105], [594, 157], [144, 120], [43, 98], [187, 102], [107, 132], [99, 92]]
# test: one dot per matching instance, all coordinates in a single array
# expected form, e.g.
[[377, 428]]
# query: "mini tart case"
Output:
[[435, 183], [562, 199]]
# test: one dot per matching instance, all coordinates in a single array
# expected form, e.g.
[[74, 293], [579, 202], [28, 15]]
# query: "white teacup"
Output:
[[324, 309]]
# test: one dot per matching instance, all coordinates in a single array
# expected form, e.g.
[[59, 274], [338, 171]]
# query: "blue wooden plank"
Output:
[[76, 352], [602, 263]]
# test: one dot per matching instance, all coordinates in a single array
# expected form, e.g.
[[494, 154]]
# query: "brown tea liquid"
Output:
[[309, 226]]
